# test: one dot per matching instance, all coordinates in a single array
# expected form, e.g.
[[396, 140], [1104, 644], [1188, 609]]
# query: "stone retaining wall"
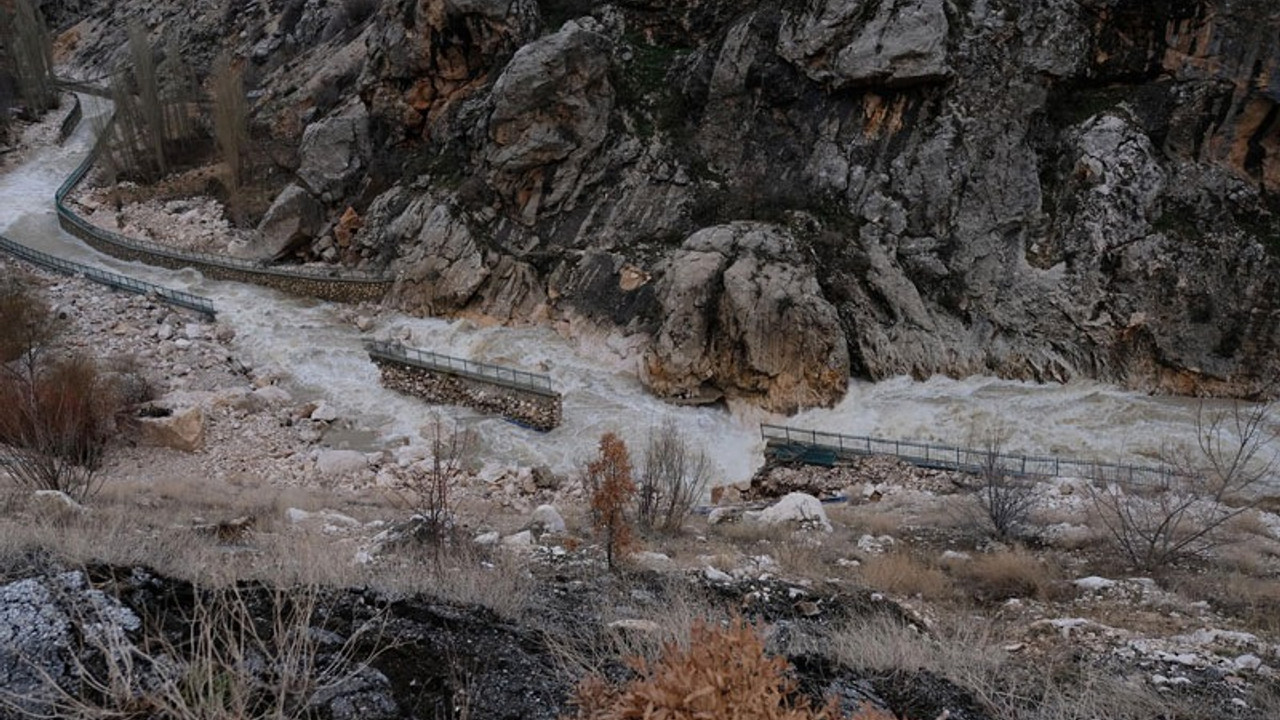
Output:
[[337, 289], [540, 411]]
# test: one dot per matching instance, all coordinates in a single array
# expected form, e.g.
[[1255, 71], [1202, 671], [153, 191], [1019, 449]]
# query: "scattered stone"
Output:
[[487, 539], [874, 544], [273, 395], [636, 625], [324, 412], [652, 560], [522, 539], [724, 515], [544, 479], [716, 576]]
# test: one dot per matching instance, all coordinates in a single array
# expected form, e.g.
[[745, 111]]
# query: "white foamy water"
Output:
[[325, 358]]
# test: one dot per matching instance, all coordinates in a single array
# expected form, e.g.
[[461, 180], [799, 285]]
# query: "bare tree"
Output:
[[428, 492], [147, 84], [230, 120], [30, 49], [672, 480], [1006, 498], [1180, 513]]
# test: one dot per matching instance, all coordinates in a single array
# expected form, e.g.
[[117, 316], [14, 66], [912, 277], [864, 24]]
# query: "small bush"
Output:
[[1184, 512], [428, 491], [25, 321], [723, 673]]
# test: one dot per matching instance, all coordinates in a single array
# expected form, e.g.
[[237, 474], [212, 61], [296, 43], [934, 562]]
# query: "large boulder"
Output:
[[546, 519], [341, 463], [182, 429], [335, 152], [859, 42], [444, 267], [294, 218], [796, 510], [744, 316], [551, 110]]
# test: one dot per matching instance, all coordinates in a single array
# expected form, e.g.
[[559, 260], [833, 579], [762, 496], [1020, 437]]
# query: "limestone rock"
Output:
[[335, 152], [273, 395], [743, 315], [545, 479], [427, 59], [55, 505], [859, 42], [798, 510], [294, 218], [551, 108], [324, 412], [445, 268], [182, 429], [546, 519], [340, 463]]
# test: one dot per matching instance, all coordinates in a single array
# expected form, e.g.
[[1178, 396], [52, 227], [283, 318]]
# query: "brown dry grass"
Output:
[[902, 573], [163, 526], [1252, 600], [1005, 574]]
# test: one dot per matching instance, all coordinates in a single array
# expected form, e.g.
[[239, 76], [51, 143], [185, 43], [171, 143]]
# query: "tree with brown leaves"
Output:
[[609, 484]]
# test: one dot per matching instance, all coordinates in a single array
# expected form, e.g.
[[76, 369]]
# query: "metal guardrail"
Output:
[[967, 460], [119, 282], [496, 374], [192, 258]]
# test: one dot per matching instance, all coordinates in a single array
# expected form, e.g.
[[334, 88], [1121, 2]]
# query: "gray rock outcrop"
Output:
[[551, 109], [49, 628], [850, 42], [1040, 190], [335, 152]]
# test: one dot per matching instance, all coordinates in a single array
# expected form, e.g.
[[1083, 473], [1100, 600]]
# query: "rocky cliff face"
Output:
[[777, 194]]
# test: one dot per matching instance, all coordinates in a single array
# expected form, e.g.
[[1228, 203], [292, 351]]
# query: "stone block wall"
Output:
[[336, 289], [540, 411]]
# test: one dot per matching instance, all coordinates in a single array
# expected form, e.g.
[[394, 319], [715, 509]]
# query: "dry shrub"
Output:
[[1184, 512], [723, 673], [901, 573], [58, 418], [1253, 600], [998, 576], [242, 652], [610, 487], [672, 481]]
